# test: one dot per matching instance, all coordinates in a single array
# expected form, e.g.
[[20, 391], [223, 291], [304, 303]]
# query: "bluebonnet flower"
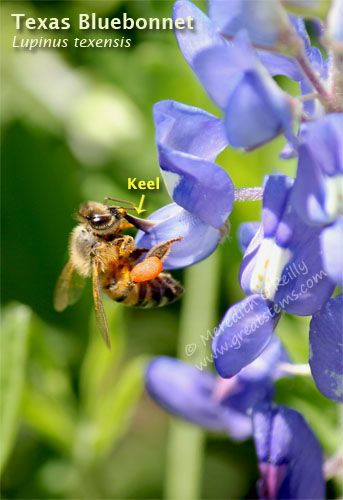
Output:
[[284, 260], [238, 77], [290, 457], [287, 449], [256, 108], [268, 24], [292, 260], [282, 269], [188, 141], [212, 402], [238, 74], [286, 33], [318, 188]]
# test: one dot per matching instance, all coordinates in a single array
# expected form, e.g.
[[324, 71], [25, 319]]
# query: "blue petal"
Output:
[[185, 391], [326, 349], [288, 152], [257, 111], [324, 141], [218, 68], [318, 62], [244, 332], [332, 246], [199, 239], [188, 139], [213, 402], [264, 21], [237, 425], [290, 457], [189, 130], [320, 157], [249, 261], [204, 34], [266, 365], [275, 196], [255, 382], [299, 25], [278, 64], [303, 285], [246, 232]]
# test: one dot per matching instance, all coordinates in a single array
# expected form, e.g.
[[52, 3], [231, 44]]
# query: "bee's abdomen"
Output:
[[154, 293]]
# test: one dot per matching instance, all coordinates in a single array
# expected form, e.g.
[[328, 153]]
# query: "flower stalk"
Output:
[[248, 194], [186, 443], [314, 79]]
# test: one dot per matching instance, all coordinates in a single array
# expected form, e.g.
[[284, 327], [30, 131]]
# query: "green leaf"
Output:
[[293, 332], [113, 415], [49, 405], [308, 10], [100, 365], [49, 418], [109, 390], [14, 334]]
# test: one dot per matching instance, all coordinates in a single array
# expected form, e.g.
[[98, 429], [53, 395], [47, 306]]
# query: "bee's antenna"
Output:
[[120, 201]]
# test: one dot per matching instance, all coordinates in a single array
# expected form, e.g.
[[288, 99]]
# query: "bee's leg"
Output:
[[126, 246], [161, 250], [137, 253]]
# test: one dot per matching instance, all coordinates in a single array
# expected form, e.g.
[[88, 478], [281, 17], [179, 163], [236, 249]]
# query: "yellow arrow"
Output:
[[139, 209]]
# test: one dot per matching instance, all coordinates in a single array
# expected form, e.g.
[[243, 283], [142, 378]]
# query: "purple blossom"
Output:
[[243, 334], [256, 109], [318, 188], [188, 141], [284, 260], [282, 269], [292, 259], [265, 22], [172, 221], [290, 457], [212, 402]]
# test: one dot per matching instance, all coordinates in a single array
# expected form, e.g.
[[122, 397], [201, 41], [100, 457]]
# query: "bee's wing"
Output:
[[68, 288], [99, 307]]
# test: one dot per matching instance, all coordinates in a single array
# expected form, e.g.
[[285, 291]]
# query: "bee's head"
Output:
[[102, 219]]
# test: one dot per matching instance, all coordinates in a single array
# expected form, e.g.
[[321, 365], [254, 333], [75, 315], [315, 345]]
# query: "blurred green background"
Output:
[[76, 422]]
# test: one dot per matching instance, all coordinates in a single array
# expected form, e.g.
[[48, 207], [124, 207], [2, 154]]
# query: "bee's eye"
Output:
[[99, 221]]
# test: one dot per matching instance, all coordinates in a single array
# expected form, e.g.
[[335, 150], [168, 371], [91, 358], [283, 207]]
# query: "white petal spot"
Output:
[[334, 196], [271, 260], [336, 384], [171, 180]]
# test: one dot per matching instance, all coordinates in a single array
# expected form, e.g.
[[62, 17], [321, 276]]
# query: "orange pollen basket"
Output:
[[146, 270]]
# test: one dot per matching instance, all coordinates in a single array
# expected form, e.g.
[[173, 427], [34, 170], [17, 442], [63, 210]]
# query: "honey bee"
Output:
[[99, 249]]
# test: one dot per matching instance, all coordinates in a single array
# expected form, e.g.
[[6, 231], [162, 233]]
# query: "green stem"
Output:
[[186, 442]]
